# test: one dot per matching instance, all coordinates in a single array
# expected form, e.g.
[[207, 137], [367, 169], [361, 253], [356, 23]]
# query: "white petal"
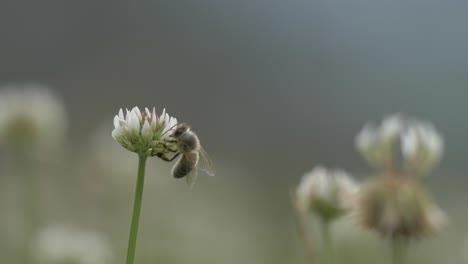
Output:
[[434, 142], [147, 112], [409, 143], [147, 132], [436, 217], [154, 117], [116, 121], [169, 124], [392, 126], [122, 123], [137, 112], [121, 115], [133, 122], [127, 115], [117, 134], [322, 185], [345, 183], [366, 137]]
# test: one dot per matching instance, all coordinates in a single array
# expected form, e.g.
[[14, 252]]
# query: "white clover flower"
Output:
[[328, 193], [399, 136], [59, 244], [32, 116], [142, 132]]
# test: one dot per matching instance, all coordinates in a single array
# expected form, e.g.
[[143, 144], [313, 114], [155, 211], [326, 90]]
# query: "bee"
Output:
[[183, 141]]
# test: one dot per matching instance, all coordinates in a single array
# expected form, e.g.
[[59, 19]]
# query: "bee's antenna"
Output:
[[169, 129]]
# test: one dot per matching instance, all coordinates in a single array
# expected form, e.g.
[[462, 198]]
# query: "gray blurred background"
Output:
[[271, 87]]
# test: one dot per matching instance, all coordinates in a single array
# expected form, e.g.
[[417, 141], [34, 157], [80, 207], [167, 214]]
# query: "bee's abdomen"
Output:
[[185, 165]]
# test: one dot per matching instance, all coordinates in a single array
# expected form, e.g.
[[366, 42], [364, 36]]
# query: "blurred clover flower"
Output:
[[141, 132], [327, 193], [31, 117], [412, 144], [59, 244], [399, 207], [32, 123], [396, 204]]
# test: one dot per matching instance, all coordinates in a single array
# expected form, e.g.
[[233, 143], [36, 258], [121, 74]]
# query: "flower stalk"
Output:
[[328, 248], [136, 209], [25, 167], [303, 230], [399, 249]]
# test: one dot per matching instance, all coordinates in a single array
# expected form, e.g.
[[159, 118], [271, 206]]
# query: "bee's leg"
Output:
[[172, 149], [166, 147], [171, 144], [164, 156]]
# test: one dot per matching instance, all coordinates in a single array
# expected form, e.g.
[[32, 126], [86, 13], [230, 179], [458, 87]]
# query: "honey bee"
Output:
[[183, 141]]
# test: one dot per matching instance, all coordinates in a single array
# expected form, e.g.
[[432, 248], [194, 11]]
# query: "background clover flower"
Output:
[[399, 207], [141, 132], [401, 143], [328, 193], [31, 116]]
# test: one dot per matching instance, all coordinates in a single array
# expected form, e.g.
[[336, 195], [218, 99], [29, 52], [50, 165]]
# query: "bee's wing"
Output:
[[205, 163], [191, 178]]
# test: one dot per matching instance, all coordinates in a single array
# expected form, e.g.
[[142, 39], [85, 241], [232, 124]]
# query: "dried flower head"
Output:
[[31, 116], [328, 193], [398, 206], [401, 143], [142, 132], [59, 244]]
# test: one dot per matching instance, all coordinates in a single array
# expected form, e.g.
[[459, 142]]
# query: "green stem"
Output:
[[136, 210], [328, 250], [25, 167], [303, 229], [399, 250]]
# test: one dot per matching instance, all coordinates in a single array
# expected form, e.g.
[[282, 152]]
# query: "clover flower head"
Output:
[[31, 116], [142, 132], [398, 206], [328, 193], [416, 142]]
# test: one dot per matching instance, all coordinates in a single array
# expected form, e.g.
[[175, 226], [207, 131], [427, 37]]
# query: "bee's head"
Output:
[[180, 130]]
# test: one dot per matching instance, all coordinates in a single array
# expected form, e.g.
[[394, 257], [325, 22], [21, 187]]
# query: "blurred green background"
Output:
[[271, 87]]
